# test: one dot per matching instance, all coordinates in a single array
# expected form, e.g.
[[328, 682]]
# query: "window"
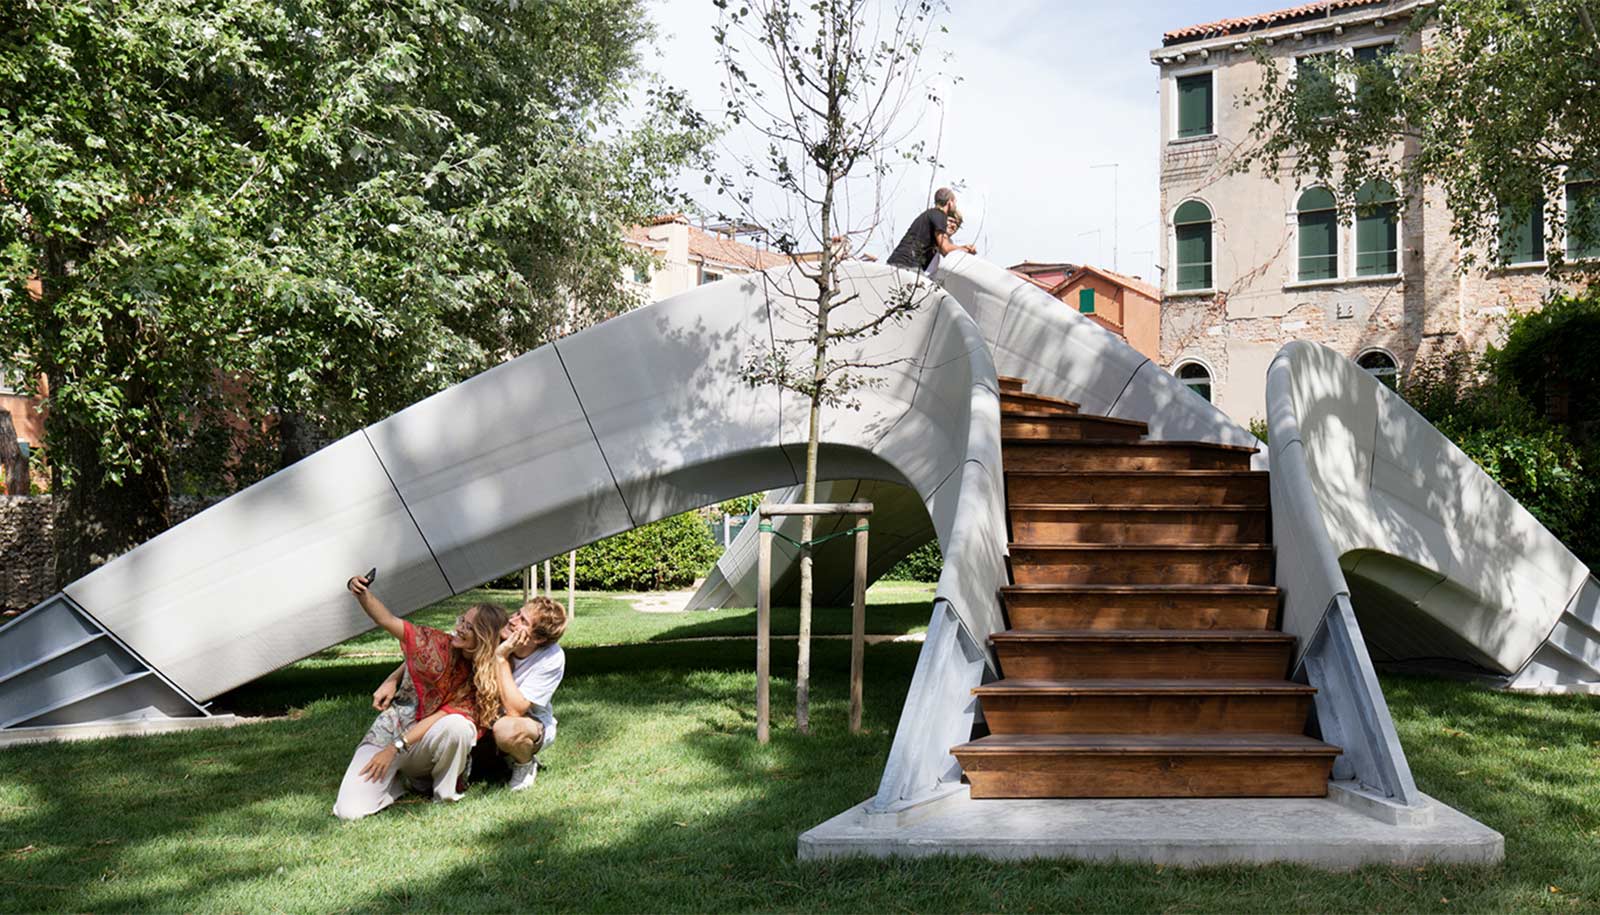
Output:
[[1196, 378], [1583, 214], [1377, 230], [708, 276], [1376, 73], [641, 274], [1192, 226], [1313, 84], [1195, 106], [1522, 233], [1381, 366], [1318, 220], [1086, 301]]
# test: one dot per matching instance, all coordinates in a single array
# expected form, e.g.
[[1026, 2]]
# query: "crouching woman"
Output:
[[446, 697]]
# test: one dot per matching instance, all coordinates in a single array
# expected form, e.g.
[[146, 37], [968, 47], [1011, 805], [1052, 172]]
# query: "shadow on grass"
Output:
[[897, 618], [658, 798]]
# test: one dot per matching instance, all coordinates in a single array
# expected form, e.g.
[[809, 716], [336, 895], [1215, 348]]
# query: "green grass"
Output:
[[604, 618], [658, 798]]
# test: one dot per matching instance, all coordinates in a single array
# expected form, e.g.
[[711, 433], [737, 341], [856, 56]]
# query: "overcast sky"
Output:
[[1049, 88]]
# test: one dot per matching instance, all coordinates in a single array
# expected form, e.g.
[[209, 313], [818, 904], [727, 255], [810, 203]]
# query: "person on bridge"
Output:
[[930, 234]]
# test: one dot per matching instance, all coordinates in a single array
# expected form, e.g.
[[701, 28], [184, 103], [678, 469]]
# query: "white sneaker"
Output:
[[522, 774]]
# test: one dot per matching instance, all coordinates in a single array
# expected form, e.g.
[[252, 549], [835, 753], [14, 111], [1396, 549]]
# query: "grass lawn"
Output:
[[658, 798]]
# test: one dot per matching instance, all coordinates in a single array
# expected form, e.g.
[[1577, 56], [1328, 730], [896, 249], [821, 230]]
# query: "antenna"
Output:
[[1116, 172]]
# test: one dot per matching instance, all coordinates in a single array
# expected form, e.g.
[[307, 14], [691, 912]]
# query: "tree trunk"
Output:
[[97, 519], [297, 437], [12, 464]]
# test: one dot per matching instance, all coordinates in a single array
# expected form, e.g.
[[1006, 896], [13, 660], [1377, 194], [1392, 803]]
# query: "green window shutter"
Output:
[[1194, 105], [1522, 234], [1192, 226], [1377, 242], [1194, 257], [1319, 245], [1583, 219], [1086, 301]]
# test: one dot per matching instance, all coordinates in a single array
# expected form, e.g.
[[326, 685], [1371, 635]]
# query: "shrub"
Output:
[[670, 553], [923, 564], [1484, 405]]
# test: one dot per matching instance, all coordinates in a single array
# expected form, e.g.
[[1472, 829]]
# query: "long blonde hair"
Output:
[[486, 625]]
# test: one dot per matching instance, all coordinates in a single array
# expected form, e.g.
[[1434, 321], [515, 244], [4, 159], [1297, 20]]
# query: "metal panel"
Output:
[[484, 465], [257, 581]]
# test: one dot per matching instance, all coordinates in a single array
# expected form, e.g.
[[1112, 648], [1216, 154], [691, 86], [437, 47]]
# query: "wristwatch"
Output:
[[400, 744]]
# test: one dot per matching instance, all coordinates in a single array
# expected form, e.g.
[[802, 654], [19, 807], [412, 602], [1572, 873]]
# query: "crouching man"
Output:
[[529, 663]]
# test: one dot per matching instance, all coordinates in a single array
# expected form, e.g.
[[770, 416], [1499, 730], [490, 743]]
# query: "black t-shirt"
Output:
[[917, 248]]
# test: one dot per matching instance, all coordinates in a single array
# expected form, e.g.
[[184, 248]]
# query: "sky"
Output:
[[1048, 89]]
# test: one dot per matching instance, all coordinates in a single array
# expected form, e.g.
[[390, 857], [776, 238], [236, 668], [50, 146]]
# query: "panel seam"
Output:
[[401, 496], [598, 447]]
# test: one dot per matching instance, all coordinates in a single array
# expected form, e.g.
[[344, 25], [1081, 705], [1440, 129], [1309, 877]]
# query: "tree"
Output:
[[250, 216], [831, 89], [1498, 108]]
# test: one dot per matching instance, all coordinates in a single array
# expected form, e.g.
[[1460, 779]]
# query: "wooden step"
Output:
[[1013, 706], [1115, 564], [1009, 385], [1151, 524], [1023, 454], [1127, 765], [1048, 427], [1017, 402], [1171, 487], [1200, 654], [1181, 607]]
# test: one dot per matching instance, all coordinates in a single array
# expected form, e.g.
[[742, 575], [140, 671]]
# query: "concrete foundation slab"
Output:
[[1318, 832], [96, 730]]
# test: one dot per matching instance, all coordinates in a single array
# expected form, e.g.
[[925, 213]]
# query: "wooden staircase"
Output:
[[1144, 657]]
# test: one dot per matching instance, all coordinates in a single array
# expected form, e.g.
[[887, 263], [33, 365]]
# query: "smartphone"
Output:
[[372, 575]]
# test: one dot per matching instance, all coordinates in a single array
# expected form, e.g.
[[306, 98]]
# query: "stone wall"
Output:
[[27, 562]]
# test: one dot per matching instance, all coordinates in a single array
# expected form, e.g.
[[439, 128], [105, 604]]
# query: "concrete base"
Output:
[[1320, 832], [95, 730]]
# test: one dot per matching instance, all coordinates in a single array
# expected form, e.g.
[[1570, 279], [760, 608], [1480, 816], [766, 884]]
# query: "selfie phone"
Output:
[[372, 575]]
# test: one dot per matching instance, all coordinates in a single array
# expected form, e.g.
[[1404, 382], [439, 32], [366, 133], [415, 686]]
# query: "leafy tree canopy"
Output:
[[1499, 106], [235, 208]]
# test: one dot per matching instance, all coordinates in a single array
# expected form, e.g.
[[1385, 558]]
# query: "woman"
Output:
[[448, 696]]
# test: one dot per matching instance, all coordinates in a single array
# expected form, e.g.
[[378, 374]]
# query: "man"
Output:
[[530, 664], [929, 235]]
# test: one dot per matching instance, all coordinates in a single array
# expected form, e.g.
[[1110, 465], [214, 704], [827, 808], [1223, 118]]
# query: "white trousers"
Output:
[[441, 755]]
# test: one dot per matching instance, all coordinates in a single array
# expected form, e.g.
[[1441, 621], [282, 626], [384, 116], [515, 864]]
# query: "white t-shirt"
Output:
[[538, 675]]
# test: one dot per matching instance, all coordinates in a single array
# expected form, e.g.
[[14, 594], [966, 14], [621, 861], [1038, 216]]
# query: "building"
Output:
[[687, 256], [1125, 305], [1252, 260]]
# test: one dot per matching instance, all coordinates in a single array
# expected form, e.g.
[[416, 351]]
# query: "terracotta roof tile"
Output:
[[1263, 20], [725, 250]]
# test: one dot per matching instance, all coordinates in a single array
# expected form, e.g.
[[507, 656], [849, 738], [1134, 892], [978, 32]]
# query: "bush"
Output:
[[670, 553], [1487, 405], [924, 564]]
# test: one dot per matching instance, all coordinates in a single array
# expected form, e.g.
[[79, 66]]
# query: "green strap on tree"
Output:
[[767, 528]]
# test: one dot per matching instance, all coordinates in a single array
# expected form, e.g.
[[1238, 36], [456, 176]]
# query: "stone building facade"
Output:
[[1251, 261]]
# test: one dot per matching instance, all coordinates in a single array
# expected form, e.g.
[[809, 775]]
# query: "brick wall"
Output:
[[27, 563]]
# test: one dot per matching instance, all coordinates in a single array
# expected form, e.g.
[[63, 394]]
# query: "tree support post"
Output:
[[858, 624], [858, 613], [764, 633]]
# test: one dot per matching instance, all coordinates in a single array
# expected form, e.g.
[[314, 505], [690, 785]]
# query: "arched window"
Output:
[[1381, 366], [1192, 225], [1196, 378], [1318, 218], [1583, 214], [1377, 230]]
